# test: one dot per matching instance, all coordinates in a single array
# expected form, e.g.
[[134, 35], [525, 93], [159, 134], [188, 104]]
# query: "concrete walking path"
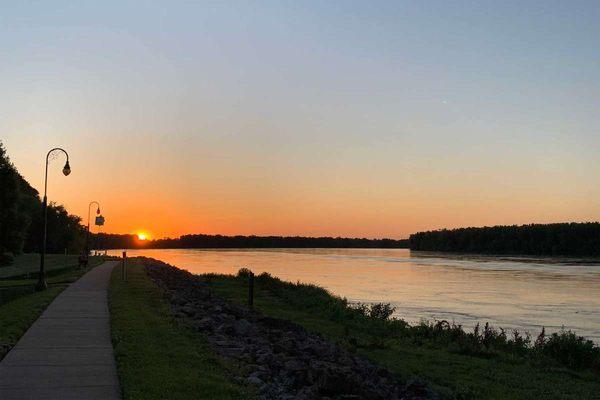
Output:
[[67, 353]]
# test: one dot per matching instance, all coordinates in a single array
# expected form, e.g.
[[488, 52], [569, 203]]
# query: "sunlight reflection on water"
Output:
[[511, 292]]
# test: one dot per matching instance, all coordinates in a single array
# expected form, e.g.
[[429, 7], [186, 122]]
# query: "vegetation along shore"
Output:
[[300, 340]]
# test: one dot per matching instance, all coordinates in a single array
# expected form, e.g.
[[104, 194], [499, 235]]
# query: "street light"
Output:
[[67, 167], [41, 284], [87, 240]]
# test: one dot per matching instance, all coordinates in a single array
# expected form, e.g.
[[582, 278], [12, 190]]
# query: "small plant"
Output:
[[381, 311], [244, 272], [540, 342], [376, 311], [265, 276], [519, 341]]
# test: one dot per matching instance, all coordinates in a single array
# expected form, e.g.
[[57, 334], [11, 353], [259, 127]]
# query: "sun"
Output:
[[142, 236]]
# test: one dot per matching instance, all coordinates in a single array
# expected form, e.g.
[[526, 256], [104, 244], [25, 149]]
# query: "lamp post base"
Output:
[[41, 285]]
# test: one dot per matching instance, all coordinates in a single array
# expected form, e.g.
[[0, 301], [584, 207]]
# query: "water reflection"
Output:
[[511, 292]]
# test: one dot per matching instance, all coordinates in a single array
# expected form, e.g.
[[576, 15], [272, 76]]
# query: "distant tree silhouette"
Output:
[[220, 241], [116, 241], [566, 239]]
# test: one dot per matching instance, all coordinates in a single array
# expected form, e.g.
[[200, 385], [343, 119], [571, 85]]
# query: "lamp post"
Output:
[[41, 284], [87, 240]]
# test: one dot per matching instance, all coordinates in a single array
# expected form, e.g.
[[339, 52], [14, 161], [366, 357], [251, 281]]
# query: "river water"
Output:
[[510, 292]]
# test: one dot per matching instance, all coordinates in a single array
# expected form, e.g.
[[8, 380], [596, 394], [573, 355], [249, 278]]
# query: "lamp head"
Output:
[[67, 169], [98, 211]]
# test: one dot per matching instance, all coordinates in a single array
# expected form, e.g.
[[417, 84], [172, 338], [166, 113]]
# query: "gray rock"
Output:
[[294, 365], [253, 380], [204, 323], [242, 327], [188, 310], [280, 357], [261, 375], [226, 329]]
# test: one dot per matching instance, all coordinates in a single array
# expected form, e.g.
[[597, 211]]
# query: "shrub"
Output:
[[244, 273], [571, 350], [381, 311], [376, 311], [375, 320]]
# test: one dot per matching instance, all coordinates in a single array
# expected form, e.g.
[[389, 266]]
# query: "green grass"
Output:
[[452, 374], [158, 357], [17, 315]]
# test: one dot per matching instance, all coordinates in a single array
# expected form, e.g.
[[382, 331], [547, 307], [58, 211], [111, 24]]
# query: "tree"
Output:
[[13, 219], [21, 217]]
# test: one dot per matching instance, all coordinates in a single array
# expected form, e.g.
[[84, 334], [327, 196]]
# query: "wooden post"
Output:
[[66, 262], [124, 269], [251, 289]]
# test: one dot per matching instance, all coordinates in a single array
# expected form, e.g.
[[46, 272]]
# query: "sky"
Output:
[[349, 118]]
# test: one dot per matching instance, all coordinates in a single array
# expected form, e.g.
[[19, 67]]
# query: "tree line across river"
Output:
[[113, 241], [564, 239]]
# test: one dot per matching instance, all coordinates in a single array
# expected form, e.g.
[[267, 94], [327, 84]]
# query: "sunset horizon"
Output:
[[137, 215]]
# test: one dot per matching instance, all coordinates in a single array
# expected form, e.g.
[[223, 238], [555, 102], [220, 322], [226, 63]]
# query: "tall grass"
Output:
[[376, 321]]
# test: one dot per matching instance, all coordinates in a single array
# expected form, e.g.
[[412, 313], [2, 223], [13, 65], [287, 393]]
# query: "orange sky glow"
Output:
[[140, 193]]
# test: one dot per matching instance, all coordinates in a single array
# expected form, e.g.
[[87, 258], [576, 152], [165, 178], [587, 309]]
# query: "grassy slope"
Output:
[[158, 358], [450, 373]]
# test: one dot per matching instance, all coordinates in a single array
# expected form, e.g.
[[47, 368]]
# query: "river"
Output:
[[522, 293]]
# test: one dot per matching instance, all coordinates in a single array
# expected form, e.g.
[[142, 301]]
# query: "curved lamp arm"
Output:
[[66, 169], [97, 211]]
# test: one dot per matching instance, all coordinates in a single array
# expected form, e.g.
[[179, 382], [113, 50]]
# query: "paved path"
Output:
[[67, 352]]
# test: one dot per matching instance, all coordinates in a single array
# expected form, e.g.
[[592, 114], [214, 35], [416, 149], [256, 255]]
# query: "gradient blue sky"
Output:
[[314, 118]]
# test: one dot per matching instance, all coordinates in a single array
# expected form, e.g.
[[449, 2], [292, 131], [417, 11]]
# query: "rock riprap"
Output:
[[279, 357]]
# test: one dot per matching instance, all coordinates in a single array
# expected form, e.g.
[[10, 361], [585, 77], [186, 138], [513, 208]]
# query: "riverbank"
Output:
[[481, 364], [281, 358], [525, 294], [158, 356], [455, 364]]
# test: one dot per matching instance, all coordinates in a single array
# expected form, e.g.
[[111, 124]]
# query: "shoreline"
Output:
[[424, 351], [279, 357], [524, 257], [506, 293]]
